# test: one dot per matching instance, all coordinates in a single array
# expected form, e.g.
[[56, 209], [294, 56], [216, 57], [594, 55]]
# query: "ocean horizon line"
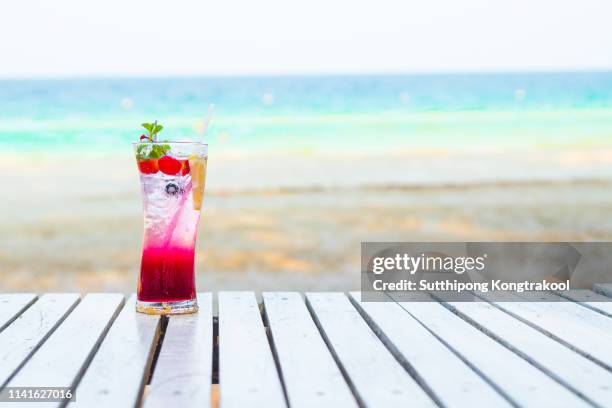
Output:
[[331, 75]]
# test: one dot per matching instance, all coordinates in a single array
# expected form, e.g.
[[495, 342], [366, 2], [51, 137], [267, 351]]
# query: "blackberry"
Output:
[[172, 189]]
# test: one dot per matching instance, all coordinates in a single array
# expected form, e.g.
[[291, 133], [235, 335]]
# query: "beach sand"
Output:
[[73, 223]]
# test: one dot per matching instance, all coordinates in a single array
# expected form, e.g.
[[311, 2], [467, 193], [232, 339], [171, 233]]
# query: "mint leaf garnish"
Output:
[[153, 129], [159, 151], [148, 150]]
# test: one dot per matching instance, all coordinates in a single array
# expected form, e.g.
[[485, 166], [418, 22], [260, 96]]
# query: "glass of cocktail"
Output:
[[172, 178]]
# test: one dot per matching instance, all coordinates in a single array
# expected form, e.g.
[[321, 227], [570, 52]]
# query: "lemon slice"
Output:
[[197, 166]]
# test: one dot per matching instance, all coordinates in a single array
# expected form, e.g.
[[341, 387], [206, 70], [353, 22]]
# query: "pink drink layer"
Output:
[[166, 274]]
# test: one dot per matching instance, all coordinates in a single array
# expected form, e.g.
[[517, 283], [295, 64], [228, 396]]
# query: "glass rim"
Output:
[[170, 143]]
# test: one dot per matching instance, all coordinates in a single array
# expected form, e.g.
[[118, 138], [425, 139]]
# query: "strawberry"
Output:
[[148, 166], [185, 167], [169, 165]]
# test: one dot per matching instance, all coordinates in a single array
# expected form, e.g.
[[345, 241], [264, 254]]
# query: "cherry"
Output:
[[169, 165], [148, 166], [143, 137]]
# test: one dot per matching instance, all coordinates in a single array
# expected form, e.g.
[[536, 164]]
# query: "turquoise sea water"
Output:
[[320, 114]]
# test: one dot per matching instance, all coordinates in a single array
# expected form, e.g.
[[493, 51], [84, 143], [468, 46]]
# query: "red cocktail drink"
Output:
[[172, 177]]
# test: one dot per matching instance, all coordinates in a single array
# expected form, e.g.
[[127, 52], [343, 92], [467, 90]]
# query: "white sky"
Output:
[[176, 37]]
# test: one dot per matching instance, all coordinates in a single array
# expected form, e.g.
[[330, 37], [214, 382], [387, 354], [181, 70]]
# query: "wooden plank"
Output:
[[603, 289], [518, 380], [310, 375], [183, 372], [376, 377], [581, 329], [12, 305], [582, 375], [61, 360], [590, 299], [421, 352], [117, 373], [21, 339], [247, 371]]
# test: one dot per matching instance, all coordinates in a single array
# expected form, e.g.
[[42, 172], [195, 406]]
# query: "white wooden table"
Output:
[[312, 350]]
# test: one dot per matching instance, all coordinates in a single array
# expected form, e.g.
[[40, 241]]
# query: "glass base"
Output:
[[166, 308]]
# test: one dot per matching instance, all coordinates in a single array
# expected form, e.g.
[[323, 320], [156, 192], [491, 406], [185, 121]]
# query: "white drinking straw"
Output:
[[209, 114]]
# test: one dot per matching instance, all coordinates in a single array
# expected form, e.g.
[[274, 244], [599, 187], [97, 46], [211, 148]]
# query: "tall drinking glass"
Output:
[[172, 178]]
